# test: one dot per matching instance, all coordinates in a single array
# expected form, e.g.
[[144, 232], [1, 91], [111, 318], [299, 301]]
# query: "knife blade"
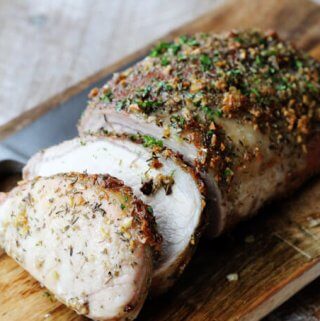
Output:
[[52, 128]]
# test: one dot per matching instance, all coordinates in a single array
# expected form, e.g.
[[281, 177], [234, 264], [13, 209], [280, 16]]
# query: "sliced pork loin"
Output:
[[243, 107], [86, 238], [156, 176]]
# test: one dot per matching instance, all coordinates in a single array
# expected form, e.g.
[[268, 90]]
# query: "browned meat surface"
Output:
[[243, 108]]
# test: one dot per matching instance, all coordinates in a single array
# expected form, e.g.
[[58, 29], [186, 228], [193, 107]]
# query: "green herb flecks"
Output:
[[255, 91], [159, 49], [206, 62], [107, 97], [228, 172], [165, 47], [149, 141], [164, 86], [148, 106], [120, 105], [191, 41], [177, 121], [165, 61], [211, 113]]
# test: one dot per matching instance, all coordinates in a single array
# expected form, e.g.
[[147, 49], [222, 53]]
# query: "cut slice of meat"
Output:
[[156, 175], [242, 107], [86, 238]]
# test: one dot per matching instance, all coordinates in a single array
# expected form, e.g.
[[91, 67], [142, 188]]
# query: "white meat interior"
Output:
[[49, 227], [177, 214]]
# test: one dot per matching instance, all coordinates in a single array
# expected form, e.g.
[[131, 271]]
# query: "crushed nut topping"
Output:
[[192, 85]]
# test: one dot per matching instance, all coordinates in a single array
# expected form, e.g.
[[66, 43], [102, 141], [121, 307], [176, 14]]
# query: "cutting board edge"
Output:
[[36, 112], [274, 299]]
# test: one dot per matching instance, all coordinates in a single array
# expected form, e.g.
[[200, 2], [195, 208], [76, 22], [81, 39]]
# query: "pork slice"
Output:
[[158, 177], [86, 238], [241, 107]]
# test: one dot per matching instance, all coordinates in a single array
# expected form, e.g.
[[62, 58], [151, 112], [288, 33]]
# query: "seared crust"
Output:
[[281, 88], [143, 218], [207, 90]]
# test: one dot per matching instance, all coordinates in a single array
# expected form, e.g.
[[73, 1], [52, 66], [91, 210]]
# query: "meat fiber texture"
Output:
[[86, 238], [172, 190]]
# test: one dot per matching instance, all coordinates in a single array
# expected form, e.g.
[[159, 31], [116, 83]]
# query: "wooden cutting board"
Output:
[[273, 255]]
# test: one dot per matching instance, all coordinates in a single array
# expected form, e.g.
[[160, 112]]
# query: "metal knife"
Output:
[[54, 127]]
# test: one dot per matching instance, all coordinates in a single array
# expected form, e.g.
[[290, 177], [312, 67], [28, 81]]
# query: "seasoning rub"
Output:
[[157, 176], [72, 234], [242, 107]]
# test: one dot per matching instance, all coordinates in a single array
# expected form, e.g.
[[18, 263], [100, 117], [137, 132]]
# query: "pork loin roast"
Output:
[[156, 175], [86, 238], [243, 108]]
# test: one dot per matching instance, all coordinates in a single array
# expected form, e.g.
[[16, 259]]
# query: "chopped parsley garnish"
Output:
[[228, 172], [107, 97], [178, 121], [144, 92], [312, 87], [164, 61], [175, 48], [207, 110], [249, 77], [159, 49], [148, 105], [218, 112], [164, 85], [183, 39], [238, 39], [211, 113], [149, 141], [182, 57], [120, 105], [191, 41], [281, 87], [205, 62], [259, 61], [233, 72], [164, 47], [255, 91]]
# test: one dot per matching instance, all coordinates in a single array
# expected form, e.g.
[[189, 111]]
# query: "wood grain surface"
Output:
[[274, 255], [305, 306], [48, 46]]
